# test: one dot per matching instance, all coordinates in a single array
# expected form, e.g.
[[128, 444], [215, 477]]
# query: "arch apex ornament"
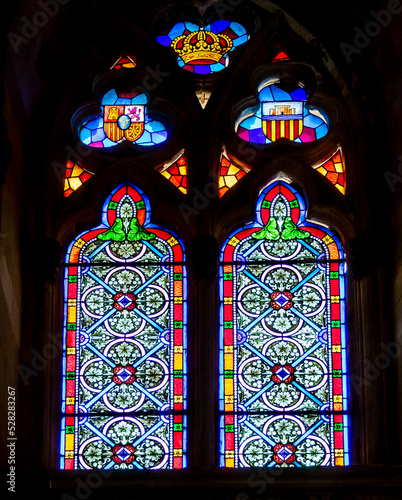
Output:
[[124, 358], [283, 345]]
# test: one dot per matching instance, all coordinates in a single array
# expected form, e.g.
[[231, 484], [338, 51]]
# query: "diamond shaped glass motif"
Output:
[[124, 301], [124, 374], [282, 373], [284, 453], [123, 454], [281, 300]]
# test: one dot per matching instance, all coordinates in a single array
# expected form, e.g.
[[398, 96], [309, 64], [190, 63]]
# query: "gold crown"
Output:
[[202, 47]]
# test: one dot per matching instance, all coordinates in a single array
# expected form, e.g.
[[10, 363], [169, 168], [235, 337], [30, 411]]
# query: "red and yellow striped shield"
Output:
[[278, 129], [110, 117]]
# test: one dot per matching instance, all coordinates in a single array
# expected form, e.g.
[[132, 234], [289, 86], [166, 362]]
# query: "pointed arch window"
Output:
[[283, 388], [124, 359], [283, 360]]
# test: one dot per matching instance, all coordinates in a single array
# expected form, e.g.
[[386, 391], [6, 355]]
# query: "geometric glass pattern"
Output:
[[283, 363], [176, 172], [204, 50], [123, 117], [229, 175], [124, 349], [74, 177], [281, 115], [333, 169], [124, 61]]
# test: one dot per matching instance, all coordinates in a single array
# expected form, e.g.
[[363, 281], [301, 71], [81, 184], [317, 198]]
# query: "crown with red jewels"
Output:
[[202, 47]]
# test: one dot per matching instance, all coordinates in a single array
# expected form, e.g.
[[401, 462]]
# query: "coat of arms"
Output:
[[124, 121], [282, 120]]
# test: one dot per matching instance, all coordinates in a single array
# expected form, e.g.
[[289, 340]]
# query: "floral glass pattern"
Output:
[[283, 360], [124, 356]]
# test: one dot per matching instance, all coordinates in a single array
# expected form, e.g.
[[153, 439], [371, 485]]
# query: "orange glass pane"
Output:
[[229, 175], [74, 177], [333, 169], [176, 172]]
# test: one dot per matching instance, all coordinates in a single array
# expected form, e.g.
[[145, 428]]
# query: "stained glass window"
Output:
[[125, 61], [281, 115], [333, 170], [124, 358], [204, 50], [123, 117], [176, 171], [283, 360], [281, 56], [74, 177], [229, 174]]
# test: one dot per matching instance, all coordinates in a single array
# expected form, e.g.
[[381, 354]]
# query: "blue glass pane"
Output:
[[266, 94], [164, 40], [177, 30], [139, 99], [110, 97], [299, 94], [321, 131], [279, 94]]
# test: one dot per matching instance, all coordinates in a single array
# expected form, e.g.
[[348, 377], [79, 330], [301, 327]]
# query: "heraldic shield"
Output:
[[282, 120], [124, 121]]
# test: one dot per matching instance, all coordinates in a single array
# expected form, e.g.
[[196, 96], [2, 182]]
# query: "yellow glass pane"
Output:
[[230, 180], [229, 362], [75, 183], [341, 188], [69, 441], [77, 170], [232, 170], [338, 167], [178, 361]]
